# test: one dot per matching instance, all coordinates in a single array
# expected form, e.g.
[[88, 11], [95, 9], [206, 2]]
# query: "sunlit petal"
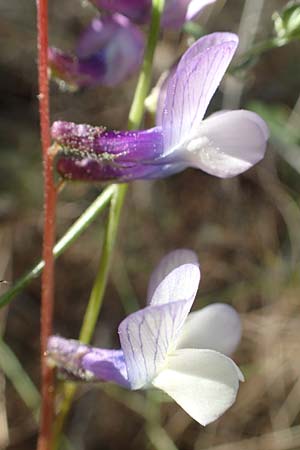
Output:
[[215, 327], [203, 382], [147, 336], [190, 89], [176, 277], [228, 143]]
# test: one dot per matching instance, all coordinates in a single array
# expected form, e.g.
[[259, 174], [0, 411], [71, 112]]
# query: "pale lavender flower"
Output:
[[225, 144], [175, 14], [165, 347], [109, 50]]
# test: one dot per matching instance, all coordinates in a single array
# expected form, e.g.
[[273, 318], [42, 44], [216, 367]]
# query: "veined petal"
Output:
[[146, 338], [189, 91], [203, 382], [226, 144], [215, 327], [84, 363], [176, 277]]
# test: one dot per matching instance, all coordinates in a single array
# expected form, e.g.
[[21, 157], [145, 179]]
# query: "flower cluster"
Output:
[[165, 347]]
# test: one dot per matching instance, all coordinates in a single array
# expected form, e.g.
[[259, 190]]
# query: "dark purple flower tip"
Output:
[[82, 362], [75, 72], [82, 138], [90, 153]]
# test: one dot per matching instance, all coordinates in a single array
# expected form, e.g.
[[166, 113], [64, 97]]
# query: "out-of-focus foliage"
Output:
[[287, 22]]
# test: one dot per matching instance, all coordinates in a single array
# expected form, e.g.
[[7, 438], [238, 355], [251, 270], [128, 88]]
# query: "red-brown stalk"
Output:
[[47, 300]]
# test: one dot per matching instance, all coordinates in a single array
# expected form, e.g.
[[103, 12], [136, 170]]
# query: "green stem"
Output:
[[95, 302], [143, 85], [96, 298], [71, 236]]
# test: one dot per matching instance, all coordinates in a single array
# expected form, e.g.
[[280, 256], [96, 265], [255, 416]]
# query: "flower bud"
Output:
[[108, 51]]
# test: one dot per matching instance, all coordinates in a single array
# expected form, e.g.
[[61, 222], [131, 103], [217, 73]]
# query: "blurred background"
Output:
[[246, 232]]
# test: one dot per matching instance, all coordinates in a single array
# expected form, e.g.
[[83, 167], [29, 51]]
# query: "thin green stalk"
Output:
[[96, 298], [143, 85], [71, 236], [94, 304], [13, 370]]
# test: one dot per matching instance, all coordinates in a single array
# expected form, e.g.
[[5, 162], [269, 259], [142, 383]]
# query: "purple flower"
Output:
[[108, 51], [164, 346], [225, 144], [175, 14]]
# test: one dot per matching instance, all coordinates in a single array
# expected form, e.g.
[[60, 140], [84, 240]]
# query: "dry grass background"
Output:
[[245, 231]]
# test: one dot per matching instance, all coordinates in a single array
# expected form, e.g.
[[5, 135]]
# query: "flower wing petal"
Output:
[[203, 382], [189, 91], [215, 327], [228, 143], [175, 278], [147, 336]]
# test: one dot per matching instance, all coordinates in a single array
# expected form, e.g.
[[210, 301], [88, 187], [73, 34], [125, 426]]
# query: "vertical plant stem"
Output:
[[143, 84], [96, 298], [47, 300]]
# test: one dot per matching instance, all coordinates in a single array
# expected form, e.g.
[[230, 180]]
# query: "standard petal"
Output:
[[189, 91], [175, 278], [215, 327], [147, 336], [226, 144], [203, 382]]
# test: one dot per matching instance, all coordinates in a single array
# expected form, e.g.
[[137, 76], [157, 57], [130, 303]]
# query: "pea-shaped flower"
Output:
[[165, 347], [225, 144], [109, 50], [175, 14]]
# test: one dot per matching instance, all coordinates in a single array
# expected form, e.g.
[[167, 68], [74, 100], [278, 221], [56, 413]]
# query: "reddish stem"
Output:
[[44, 441]]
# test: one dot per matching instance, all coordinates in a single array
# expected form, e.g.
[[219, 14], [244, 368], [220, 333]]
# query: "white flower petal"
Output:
[[215, 327], [190, 89], [146, 338], [175, 278], [203, 382], [228, 143]]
